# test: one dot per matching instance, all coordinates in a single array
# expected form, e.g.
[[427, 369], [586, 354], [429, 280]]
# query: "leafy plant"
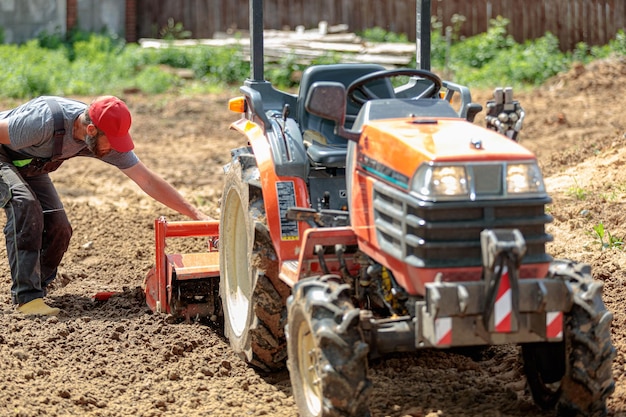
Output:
[[577, 191], [287, 72], [174, 30], [478, 50], [378, 34], [618, 45], [26, 70], [609, 196], [605, 238], [152, 80], [221, 65]]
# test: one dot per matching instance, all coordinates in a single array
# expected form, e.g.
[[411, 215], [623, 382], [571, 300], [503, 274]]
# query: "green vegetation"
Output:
[[82, 63], [577, 191], [494, 58], [605, 239], [174, 30], [379, 34], [91, 64]]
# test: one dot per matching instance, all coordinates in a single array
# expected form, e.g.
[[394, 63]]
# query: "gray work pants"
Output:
[[37, 231]]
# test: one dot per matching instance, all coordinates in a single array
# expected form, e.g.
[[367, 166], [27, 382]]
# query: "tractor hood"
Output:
[[447, 158], [411, 141]]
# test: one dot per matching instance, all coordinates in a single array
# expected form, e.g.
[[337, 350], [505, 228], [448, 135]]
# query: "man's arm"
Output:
[[159, 189], [4, 132]]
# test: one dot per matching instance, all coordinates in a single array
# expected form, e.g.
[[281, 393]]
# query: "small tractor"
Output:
[[364, 216]]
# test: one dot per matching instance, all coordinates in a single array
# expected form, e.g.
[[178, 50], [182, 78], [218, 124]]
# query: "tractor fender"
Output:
[[280, 192]]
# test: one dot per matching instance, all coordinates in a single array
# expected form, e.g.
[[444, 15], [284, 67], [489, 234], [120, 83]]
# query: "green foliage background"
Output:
[[82, 63]]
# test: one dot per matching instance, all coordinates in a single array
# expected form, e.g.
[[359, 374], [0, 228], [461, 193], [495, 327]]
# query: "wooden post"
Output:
[[130, 26]]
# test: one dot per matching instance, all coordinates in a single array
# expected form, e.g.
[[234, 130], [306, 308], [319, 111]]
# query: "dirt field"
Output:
[[115, 358]]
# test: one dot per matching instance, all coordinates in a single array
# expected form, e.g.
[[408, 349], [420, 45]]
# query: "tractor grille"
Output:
[[447, 234]]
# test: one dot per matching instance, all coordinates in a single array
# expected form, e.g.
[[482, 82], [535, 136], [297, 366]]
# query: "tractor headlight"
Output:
[[478, 180], [524, 178], [441, 181]]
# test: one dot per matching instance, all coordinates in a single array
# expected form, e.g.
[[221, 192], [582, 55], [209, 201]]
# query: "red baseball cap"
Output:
[[110, 115]]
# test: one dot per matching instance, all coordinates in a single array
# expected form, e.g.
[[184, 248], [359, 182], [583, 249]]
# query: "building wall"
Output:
[[102, 16], [22, 20]]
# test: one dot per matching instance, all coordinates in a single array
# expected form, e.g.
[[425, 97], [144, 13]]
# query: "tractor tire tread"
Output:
[[587, 385], [343, 354]]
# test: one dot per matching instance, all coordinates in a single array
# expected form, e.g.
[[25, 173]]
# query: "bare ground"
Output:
[[116, 358]]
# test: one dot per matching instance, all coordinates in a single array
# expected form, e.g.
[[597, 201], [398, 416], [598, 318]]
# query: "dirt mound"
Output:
[[600, 74], [116, 358]]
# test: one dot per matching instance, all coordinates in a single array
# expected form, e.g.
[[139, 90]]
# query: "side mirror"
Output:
[[327, 99]]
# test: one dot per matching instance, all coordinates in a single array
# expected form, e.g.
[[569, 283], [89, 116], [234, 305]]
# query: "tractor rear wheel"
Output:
[[575, 375], [327, 358], [253, 298]]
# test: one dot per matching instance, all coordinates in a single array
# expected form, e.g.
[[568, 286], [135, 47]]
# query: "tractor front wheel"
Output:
[[575, 375], [327, 358]]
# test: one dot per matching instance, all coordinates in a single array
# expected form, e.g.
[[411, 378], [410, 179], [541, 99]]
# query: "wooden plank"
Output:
[[538, 22], [584, 19], [564, 17], [207, 16], [577, 27], [608, 21], [553, 20], [476, 15], [617, 17], [609, 28], [327, 12], [597, 24], [279, 44], [521, 31], [236, 18], [515, 14], [533, 25], [600, 20], [461, 8], [587, 17]]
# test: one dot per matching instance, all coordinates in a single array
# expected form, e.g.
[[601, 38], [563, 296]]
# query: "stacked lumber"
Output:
[[306, 45]]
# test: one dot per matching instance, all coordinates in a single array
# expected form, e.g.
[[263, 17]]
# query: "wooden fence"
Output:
[[592, 21]]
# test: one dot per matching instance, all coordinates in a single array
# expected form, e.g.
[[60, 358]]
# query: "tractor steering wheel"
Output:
[[366, 94]]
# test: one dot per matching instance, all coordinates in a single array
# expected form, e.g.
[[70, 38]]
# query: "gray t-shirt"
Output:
[[31, 131]]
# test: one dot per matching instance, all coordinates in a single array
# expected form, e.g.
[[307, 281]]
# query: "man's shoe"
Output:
[[37, 307]]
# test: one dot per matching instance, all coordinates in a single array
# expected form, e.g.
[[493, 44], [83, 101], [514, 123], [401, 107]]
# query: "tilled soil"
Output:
[[117, 358]]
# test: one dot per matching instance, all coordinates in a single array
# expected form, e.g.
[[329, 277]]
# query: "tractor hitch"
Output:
[[502, 251], [499, 309]]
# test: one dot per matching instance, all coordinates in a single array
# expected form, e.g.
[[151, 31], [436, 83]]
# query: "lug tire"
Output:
[[327, 358], [580, 383], [253, 298]]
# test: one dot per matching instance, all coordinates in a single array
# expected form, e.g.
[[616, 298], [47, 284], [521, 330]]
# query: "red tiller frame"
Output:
[[162, 230]]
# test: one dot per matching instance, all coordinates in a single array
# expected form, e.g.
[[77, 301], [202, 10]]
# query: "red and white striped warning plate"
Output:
[[503, 309]]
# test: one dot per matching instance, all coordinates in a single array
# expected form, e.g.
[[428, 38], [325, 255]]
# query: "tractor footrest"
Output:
[[188, 266]]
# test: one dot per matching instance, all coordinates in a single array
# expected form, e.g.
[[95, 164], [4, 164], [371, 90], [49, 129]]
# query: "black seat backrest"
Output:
[[345, 74]]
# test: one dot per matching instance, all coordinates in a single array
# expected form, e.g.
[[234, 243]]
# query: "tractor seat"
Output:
[[321, 153], [324, 147]]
